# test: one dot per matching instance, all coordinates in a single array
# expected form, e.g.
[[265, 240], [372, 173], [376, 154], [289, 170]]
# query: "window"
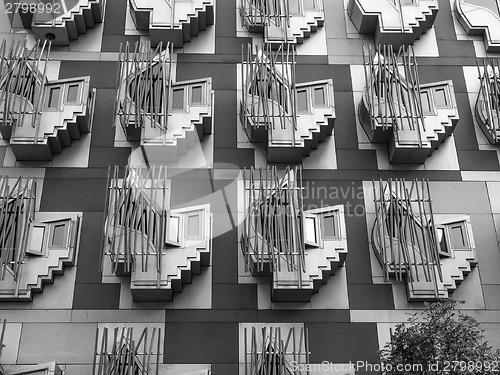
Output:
[[453, 236], [440, 98], [329, 227], [310, 231], [173, 230], [441, 233], [54, 98], [36, 246], [72, 95], [178, 99], [309, 5], [294, 7], [319, 97], [426, 103], [302, 101], [458, 236], [193, 226], [196, 95], [58, 235]]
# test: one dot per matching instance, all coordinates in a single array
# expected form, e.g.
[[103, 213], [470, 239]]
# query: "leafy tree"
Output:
[[441, 341]]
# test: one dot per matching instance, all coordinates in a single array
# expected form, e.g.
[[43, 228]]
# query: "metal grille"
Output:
[[404, 235], [273, 231], [144, 85], [135, 216], [268, 83], [489, 93], [23, 77], [392, 93], [269, 352], [125, 355]]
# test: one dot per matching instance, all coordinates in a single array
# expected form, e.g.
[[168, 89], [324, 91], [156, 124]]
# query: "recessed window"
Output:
[[309, 5], [319, 96], [302, 101], [72, 95], [441, 233], [193, 226], [196, 95], [458, 236], [329, 227], [426, 103], [294, 7], [173, 230], [36, 243], [54, 97], [59, 235], [178, 99], [310, 230], [440, 98]]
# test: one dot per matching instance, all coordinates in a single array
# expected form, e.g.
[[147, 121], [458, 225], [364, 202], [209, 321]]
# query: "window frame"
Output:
[[184, 101], [187, 215], [52, 225], [203, 96]]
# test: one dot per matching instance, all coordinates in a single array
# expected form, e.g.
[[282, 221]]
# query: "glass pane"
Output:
[[426, 105], [309, 5], [440, 98], [173, 229], [196, 95], [302, 105], [59, 235], [442, 241], [193, 225], [329, 228], [319, 96], [72, 93], [294, 6], [310, 231], [37, 239], [458, 236], [178, 99], [54, 96]]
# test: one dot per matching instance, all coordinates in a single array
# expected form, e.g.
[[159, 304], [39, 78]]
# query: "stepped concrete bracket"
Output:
[[159, 248], [283, 21], [413, 119], [174, 21], [430, 256], [394, 22], [63, 21], [167, 118], [481, 18], [290, 118], [298, 249], [34, 246], [38, 116]]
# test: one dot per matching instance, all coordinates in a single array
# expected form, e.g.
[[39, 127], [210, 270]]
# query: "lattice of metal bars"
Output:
[[2, 335], [144, 85], [273, 230], [126, 355], [393, 88], [269, 352], [489, 91], [136, 210], [23, 77], [17, 211], [269, 94], [404, 235], [265, 12]]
